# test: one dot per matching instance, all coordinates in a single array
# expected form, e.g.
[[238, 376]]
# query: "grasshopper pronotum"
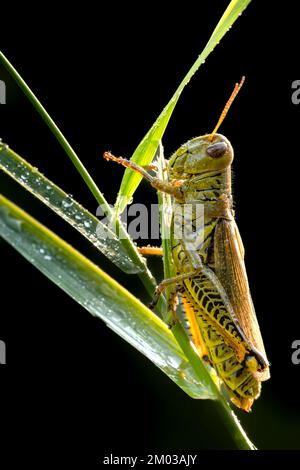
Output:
[[211, 280]]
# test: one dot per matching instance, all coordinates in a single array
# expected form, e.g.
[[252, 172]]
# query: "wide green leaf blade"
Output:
[[100, 295], [145, 151], [98, 233], [144, 273]]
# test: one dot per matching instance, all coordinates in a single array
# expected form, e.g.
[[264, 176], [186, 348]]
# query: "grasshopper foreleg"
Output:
[[160, 185]]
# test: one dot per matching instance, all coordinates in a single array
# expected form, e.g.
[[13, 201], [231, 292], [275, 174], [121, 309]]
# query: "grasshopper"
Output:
[[211, 280]]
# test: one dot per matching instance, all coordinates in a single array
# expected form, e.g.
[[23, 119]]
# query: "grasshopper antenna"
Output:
[[237, 88]]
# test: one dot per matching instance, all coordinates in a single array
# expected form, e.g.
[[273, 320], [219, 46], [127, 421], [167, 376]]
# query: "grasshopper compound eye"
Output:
[[217, 150]]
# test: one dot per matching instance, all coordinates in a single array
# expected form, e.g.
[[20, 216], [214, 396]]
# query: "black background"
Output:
[[104, 75]]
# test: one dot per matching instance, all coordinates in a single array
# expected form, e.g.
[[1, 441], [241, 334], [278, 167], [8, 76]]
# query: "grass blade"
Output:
[[121, 251], [145, 151], [99, 234], [145, 275], [55, 131], [100, 295]]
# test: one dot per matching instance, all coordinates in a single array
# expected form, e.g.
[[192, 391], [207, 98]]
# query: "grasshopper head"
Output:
[[207, 153], [201, 155]]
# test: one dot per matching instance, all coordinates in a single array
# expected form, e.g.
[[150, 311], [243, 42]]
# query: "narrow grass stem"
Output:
[[145, 275]]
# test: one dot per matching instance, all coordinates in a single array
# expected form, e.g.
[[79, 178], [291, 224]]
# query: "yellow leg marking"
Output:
[[194, 327]]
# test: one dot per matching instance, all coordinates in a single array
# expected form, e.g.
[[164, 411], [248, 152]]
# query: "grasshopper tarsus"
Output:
[[206, 359], [171, 323]]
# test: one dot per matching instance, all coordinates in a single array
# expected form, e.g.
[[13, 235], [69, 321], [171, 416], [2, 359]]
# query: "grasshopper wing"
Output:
[[230, 270]]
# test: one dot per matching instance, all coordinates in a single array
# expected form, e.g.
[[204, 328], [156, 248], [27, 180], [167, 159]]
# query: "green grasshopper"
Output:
[[211, 280]]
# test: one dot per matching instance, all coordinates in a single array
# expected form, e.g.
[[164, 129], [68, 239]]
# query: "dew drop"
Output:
[[67, 203]]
